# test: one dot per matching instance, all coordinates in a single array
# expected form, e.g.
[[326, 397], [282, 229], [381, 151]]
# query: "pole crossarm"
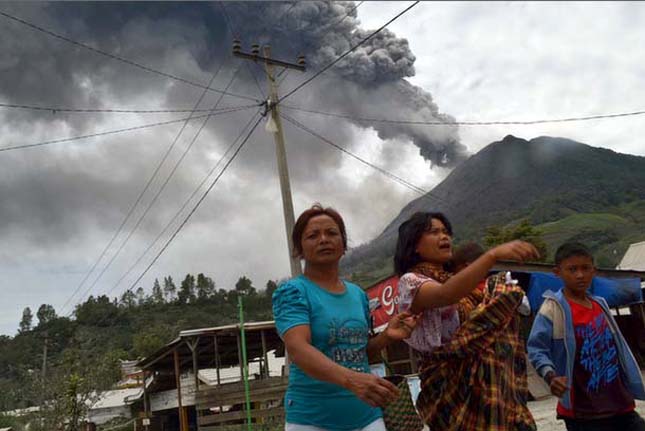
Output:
[[271, 61]]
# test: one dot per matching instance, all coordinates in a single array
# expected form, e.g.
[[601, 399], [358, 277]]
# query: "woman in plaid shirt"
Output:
[[453, 396]]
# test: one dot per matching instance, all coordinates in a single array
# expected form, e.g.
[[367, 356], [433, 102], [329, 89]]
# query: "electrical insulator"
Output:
[[301, 60], [255, 49], [237, 46]]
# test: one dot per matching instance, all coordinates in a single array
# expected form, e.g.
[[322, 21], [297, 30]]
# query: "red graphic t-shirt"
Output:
[[597, 389]]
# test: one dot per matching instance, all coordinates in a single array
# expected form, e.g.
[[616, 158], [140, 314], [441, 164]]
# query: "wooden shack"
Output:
[[196, 382]]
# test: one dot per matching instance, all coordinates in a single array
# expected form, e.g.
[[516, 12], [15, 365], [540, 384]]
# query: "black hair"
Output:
[[410, 232], [570, 249], [467, 253]]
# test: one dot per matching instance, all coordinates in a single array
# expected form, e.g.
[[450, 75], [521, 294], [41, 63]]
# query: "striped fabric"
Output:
[[477, 381]]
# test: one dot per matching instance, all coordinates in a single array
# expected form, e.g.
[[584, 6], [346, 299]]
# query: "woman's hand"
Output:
[[401, 326], [520, 251], [375, 391]]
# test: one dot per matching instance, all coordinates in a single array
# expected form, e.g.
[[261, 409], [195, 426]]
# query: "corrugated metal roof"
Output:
[[248, 326], [117, 398], [634, 257], [162, 352]]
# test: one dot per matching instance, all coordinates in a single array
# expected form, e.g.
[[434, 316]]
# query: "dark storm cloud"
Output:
[[93, 183]]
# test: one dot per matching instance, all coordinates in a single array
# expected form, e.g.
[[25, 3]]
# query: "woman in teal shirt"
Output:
[[324, 322]]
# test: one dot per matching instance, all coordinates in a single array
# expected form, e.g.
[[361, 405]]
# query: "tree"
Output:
[[169, 289], [97, 310], [157, 293], [270, 288], [45, 314], [152, 338], [186, 292], [496, 235], [244, 286], [141, 296], [73, 387], [128, 299], [25, 322], [205, 287]]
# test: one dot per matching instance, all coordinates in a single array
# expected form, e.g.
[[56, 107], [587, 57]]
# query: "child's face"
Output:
[[576, 272]]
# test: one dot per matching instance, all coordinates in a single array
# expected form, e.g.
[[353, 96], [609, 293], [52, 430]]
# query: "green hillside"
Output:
[[608, 234], [103, 330], [571, 191]]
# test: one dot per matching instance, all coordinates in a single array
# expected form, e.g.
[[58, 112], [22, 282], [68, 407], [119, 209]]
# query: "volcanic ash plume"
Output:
[[368, 83]]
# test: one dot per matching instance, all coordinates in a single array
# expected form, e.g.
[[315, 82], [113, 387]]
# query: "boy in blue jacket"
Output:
[[576, 346]]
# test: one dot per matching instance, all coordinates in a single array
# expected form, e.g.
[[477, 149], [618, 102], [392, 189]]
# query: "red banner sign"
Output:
[[383, 300]]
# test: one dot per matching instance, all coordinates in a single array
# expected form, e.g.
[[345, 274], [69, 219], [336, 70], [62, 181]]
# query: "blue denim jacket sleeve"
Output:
[[539, 345]]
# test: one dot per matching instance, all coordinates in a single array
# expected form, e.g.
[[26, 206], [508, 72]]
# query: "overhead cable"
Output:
[[121, 59], [388, 174], [181, 210], [57, 109], [346, 53], [128, 129], [385, 172], [168, 177], [465, 123], [199, 202], [235, 35], [139, 198]]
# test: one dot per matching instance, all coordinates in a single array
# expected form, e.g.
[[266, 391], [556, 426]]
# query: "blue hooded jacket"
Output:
[[552, 345]]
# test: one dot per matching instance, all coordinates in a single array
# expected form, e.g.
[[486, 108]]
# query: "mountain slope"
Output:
[[544, 179]]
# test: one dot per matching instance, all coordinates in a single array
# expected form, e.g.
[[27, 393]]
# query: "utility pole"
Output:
[[43, 380], [44, 371], [276, 124]]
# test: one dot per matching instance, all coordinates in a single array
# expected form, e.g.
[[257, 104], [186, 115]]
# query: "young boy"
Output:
[[576, 346]]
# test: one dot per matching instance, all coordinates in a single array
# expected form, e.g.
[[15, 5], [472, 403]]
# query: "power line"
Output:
[[279, 20], [161, 189], [349, 51], [235, 35], [136, 203], [154, 175], [424, 193], [190, 198], [121, 59], [174, 235], [349, 153], [466, 123], [57, 109], [327, 28], [129, 129]]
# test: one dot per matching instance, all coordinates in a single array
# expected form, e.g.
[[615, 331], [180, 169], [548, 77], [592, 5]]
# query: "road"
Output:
[[544, 414]]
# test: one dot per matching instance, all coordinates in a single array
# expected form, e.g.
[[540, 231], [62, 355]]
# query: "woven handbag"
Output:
[[400, 415]]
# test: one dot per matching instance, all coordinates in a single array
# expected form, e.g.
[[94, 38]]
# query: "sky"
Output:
[[444, 62]]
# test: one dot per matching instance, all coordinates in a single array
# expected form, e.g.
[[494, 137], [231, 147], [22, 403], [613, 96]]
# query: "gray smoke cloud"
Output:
[[61, 203], [372, 83], [191, 42]]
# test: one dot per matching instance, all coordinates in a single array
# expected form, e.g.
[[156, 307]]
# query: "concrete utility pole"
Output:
[[272, 109], [44, 371]]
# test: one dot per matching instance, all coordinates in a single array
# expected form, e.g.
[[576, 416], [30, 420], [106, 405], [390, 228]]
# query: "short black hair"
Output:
[[467, 253], [570, 249], [410, 231]]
